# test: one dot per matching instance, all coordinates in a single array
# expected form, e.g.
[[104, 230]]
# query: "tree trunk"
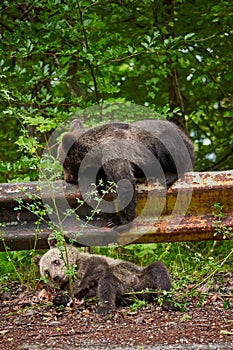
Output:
[[163, 16]]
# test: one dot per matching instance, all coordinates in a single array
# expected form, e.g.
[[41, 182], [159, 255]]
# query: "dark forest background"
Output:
[[58, 58]]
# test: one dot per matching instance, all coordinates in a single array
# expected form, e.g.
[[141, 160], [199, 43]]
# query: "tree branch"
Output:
[[87, 47]]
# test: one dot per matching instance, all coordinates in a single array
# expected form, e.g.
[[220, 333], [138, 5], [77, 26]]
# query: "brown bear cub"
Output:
[[122, 153], [97, 275]]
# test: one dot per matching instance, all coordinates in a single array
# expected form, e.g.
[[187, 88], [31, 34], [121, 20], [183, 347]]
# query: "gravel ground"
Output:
[[29, 321], [160, 347]]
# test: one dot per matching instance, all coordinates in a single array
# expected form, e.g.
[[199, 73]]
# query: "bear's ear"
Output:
[[52, 241], [36, 259], [76, 127], [67, 142]]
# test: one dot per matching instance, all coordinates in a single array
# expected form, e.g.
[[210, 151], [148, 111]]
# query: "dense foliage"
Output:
[[60, 57]]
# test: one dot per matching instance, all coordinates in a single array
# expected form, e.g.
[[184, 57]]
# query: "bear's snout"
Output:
[[56, 278], [69, 176]]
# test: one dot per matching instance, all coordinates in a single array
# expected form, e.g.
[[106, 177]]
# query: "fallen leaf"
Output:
[[78, 302], [185, 318], [190, 286], [213, 298], [4, 331], [44, 296], [203, 288], [226, 332]]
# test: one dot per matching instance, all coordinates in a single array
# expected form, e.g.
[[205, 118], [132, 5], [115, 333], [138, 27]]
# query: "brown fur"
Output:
[[126, 151], [105, 277]]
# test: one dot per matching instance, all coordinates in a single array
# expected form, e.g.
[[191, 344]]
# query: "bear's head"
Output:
[[55, 263], [77, 128], [68, 152], [68, 156]]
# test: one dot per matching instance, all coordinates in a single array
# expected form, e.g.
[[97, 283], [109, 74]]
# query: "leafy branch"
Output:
[[87, 48]]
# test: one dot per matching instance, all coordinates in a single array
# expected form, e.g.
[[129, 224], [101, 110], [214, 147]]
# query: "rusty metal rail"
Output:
[[186, 213]]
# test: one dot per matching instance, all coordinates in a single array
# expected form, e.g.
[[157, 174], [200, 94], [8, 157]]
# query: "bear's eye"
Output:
[[46, 272], [56, 262]]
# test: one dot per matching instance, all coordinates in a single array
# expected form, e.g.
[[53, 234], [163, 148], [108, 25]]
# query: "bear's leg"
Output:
[[170, 178], [159, 276], [63, 297], [119, 171], [108, 288], [95, 269], [155, 276]]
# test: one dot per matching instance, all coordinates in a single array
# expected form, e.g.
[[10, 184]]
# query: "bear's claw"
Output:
[[61, 299]]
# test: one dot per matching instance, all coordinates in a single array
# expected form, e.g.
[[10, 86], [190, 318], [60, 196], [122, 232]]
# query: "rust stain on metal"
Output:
[[196, 191]]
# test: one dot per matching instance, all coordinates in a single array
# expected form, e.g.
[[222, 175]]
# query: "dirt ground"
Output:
[[29, 321]]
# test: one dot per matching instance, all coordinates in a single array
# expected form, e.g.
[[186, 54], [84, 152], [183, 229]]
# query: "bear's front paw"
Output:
[[102, 310], [61, 299], [170, 306], [105, 308], [124, 227]]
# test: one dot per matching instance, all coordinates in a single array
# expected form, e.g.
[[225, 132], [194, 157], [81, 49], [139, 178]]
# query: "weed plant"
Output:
[[189, 263]]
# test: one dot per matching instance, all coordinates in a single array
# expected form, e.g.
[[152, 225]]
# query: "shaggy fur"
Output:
[[97, 275], [120, 151]]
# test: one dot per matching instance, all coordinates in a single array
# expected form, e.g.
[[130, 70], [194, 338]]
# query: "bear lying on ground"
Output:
[[97, 275], [120, 151]]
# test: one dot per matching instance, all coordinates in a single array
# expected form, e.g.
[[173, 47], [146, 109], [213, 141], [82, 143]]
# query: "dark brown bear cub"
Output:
[[122, 153], [104, 277]]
